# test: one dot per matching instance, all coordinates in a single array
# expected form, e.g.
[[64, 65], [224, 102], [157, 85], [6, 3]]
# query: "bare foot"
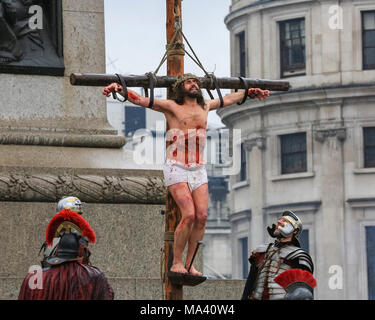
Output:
[[178, 267], [195, 272]]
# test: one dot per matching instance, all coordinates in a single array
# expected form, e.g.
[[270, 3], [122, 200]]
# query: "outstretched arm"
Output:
[[235, 97], [133, 97]]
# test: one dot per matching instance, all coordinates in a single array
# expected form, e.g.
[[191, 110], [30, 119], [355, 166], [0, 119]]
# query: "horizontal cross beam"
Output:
[[102, 80]]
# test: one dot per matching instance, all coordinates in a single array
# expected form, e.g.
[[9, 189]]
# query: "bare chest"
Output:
[[184, 118]]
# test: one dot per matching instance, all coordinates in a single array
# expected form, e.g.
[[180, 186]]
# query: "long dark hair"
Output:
[[180, 94]]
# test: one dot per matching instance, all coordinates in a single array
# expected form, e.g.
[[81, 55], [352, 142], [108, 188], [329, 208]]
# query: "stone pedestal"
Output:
[[46, 111], [55, 140]]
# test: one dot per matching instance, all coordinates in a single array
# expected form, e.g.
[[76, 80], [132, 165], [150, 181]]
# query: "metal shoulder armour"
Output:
[[258, 254], [261, 249], [303, 258]]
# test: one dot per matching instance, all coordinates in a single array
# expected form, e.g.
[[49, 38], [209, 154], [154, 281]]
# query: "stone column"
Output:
[[40, 113], [255, 147], [55, 141], [330, 220]]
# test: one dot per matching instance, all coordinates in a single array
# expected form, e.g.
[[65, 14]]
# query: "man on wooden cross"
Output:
[[184, 171]]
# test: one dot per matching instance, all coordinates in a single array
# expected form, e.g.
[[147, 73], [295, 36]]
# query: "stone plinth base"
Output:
[[128, 249], [148, 289]]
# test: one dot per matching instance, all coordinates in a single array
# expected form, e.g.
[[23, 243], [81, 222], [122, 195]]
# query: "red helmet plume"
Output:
[[295, 275], [69, 216]]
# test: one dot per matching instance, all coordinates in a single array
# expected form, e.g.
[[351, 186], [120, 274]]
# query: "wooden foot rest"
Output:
[[185, 279]]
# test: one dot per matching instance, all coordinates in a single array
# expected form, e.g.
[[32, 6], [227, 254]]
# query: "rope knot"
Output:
[[175, 49]]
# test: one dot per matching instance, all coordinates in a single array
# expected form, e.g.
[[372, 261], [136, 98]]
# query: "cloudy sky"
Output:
[[136, 37]]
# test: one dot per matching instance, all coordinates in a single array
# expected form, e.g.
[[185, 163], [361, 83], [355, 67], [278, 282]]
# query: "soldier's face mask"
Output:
[[285, 228]]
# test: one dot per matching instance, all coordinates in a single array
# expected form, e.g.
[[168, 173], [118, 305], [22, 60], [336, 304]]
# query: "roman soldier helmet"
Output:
[[74, 234], [186, 76], [294, 227], [295, 222], [70, 203], [299, 284]]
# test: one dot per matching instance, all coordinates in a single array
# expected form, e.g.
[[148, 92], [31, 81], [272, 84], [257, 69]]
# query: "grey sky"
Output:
[[136, 37]]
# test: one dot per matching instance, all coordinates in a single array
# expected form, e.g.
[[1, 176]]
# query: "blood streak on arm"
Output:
[[133, 96]]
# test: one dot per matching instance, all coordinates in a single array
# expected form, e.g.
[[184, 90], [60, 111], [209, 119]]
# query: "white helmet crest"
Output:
[[70, 203]]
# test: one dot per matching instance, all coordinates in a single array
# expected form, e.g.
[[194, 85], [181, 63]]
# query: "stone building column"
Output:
[[255, 147], [330, 264]]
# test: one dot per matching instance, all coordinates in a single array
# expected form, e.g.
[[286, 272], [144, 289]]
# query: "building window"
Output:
[[292, 47], [218, 188], [245, 257], [368, 39], [304, 240], [135, 118], [241, 53], [369, 146], [293, 153], [370, 247], [243, 173]]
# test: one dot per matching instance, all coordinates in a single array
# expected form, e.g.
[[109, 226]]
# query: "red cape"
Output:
[[69, 281]]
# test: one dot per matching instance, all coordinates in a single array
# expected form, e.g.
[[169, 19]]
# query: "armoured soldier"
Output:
[[68, 203], [68, 273], [283, 258]]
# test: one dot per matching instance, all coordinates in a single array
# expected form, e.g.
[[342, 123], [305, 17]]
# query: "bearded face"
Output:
[[189, 88], [193, 93]]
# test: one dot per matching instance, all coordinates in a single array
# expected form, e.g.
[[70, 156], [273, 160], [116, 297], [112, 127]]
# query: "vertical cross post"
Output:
[[175, 67]]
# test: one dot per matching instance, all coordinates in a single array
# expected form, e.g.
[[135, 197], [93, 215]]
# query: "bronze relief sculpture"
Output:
[[31, 37]]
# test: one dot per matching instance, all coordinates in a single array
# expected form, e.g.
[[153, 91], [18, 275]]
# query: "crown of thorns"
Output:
[[185, 77]]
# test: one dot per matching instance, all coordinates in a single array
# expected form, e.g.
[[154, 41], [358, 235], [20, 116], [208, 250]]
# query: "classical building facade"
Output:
[[311, 149]]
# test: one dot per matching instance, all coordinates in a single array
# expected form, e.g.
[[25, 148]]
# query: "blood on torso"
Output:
[[187, 134]]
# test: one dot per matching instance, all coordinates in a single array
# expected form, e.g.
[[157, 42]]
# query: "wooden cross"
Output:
[[175, 67]]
